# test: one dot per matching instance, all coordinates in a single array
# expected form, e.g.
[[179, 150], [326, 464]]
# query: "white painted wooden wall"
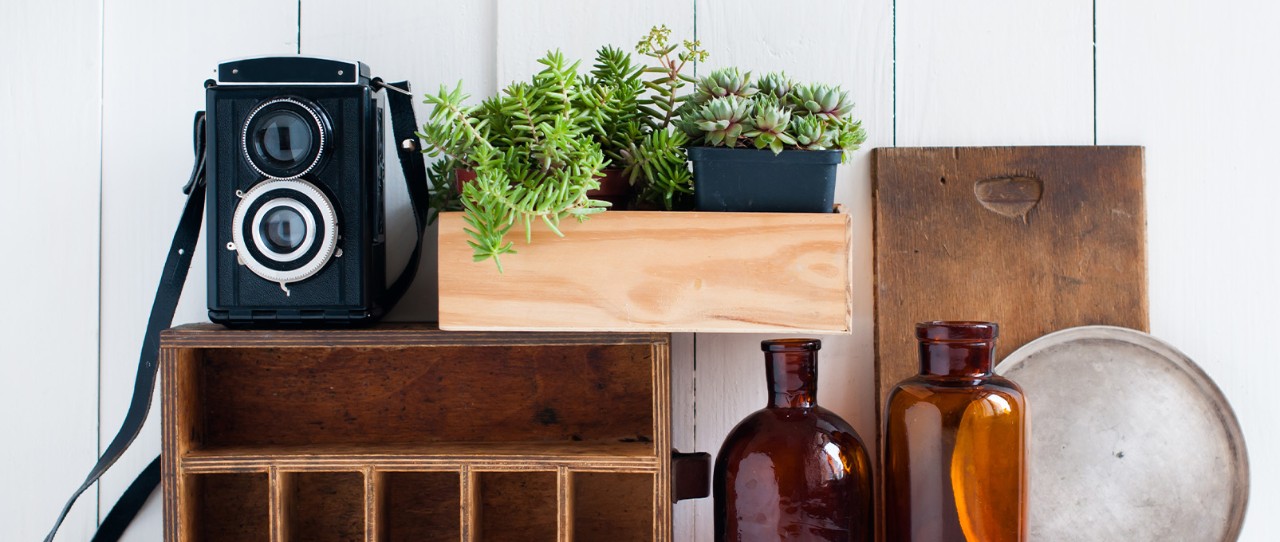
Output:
[[97, 97]]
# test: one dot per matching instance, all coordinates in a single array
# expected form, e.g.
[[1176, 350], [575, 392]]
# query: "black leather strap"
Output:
[[130, 503], [172, 278], [403, 124]]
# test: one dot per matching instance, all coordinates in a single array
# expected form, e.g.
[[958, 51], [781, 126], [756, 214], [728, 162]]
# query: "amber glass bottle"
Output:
[[955, 443], [793, 470]]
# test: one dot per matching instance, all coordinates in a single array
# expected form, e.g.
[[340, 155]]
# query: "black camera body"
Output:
[[295, 212]]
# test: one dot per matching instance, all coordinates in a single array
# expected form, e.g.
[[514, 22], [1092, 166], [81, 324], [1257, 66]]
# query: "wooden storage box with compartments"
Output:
[[657, 271], [401, 432]]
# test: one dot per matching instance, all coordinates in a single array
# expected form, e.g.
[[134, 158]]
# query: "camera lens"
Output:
[[284, 137], [283, 228]]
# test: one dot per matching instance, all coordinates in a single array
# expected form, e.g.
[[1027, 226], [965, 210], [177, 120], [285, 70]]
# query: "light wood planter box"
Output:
[[403, 433], [657, 271]]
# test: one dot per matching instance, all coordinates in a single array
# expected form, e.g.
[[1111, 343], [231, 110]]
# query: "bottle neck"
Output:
[[793, 378], [957, 359]]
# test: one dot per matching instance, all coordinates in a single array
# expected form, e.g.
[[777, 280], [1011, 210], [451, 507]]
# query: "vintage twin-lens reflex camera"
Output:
[[295, 193]]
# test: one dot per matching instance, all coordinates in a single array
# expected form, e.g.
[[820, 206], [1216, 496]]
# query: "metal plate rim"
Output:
[[1210, 389]]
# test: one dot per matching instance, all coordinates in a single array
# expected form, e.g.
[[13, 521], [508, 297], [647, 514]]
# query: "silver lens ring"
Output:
[[309, 233], [318, 124], [323, 228]]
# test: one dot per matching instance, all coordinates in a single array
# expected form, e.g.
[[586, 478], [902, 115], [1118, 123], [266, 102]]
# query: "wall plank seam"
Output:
[[102, 97]]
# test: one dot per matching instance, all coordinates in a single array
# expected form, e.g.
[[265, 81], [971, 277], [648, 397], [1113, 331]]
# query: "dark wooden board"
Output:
[[1036, 239]]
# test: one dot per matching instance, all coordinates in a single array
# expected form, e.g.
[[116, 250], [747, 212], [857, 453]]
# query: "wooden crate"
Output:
[[401, 432], [657, 271]]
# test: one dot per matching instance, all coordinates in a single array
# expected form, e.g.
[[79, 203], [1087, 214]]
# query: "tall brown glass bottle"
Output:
[[794, 470], [955, 443]]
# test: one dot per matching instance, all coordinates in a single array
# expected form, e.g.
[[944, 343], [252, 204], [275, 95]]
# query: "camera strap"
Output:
[[403, 127], [174, 276]]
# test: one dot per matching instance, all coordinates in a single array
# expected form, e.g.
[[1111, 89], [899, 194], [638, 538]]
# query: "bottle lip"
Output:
[[957, 331], [790, 345]]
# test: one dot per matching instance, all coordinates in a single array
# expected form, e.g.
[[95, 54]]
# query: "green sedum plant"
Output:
[[775, 113], [539, 146], [529, 148], [634, 118]]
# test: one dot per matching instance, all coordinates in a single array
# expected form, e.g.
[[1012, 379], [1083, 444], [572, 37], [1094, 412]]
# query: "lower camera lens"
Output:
[[284, 137], [283, 228]]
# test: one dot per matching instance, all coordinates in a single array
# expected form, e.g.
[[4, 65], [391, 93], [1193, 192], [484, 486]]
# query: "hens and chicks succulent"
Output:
[[727, 109]]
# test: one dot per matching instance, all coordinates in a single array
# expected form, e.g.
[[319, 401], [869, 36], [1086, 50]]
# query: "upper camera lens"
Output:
[[285, 137], [284, 229]]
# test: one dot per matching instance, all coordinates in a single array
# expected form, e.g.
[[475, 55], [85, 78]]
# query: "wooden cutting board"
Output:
[[1037, 239]]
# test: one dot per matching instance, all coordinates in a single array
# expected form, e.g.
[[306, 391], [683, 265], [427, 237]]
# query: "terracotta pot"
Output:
[[464, 176], [614, 188]]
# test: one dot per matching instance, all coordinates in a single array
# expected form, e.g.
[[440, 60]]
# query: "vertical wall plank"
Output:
[[49, 102], [994, 73], [846, 43], [1195, 83], [156, 56], [527, 30], [428, 43]]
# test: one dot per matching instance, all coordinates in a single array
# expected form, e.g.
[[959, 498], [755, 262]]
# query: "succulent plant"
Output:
[[775, 113], [724, 82], [659, 158], [811, 135], [527, 149], [655, 160], [539, 146], [722, 121], [771, 122], [776, 84], [611, 99], [830, 103], [632, 118], [662, 106]]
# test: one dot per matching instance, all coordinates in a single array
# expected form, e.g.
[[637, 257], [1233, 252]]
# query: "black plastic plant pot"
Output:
[[749, 180]]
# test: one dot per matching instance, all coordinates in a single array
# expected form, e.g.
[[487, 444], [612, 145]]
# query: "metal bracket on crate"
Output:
[[690, 475]]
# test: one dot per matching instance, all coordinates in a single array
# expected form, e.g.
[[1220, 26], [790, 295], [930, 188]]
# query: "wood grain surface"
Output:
[[1036, 239], [651, 271], [426, 510], [612, 507], [324, 505], [364, 434], [519, 507]]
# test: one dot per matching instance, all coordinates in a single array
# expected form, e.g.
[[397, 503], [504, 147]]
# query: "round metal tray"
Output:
[[1129, 440]]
